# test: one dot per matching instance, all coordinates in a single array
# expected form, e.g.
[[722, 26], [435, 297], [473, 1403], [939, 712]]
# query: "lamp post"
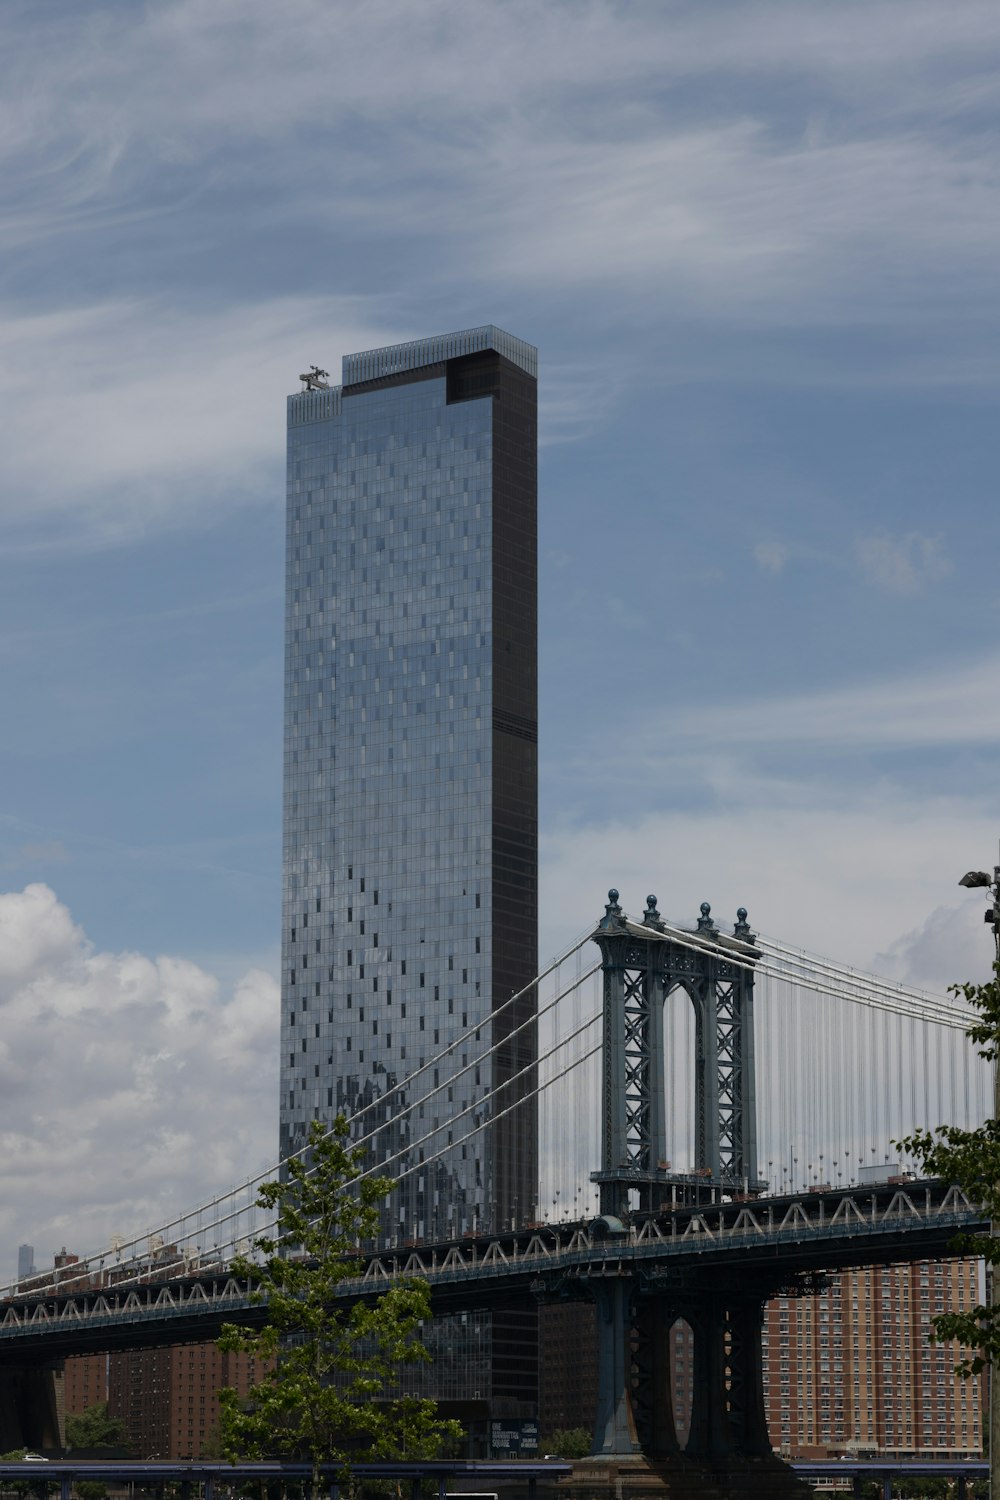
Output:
[[979, 880]]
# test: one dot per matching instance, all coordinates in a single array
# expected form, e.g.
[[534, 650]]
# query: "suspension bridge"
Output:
[[716, 1116]]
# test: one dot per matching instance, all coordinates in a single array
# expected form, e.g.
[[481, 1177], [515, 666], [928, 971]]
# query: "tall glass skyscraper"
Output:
[[410, 816]]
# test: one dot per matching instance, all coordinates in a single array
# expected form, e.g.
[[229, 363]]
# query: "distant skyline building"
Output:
[[25, 1261], [410, 785]]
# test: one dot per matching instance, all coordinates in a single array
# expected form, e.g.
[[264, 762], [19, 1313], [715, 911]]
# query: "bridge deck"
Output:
[[772, 1238]]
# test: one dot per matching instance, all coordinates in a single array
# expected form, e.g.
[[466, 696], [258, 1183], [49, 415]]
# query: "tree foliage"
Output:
[[324, 1398], [34, 1487], [971, 1158], [571, 1442], [93, 1428]]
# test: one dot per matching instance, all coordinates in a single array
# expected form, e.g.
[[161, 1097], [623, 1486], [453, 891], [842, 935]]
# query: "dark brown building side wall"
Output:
[[515, 774], [514, 1146], [139, 1394], [567, 1375], [515, 845]]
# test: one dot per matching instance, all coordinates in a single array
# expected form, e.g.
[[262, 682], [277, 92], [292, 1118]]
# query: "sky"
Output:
[[757, 248]]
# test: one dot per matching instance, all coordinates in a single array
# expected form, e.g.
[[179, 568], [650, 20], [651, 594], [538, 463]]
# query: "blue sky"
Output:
[[757, 249]]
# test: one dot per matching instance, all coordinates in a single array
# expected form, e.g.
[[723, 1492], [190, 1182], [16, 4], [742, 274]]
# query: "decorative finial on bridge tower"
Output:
[[705, 923], [613, 914], [742, 928], [652, 917]]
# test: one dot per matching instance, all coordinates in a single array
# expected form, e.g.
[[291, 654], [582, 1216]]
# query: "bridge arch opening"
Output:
[[680, 1079], [681, 1338]]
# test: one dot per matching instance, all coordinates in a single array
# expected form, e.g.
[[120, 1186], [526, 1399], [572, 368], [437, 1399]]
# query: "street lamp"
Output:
[[979, 880]]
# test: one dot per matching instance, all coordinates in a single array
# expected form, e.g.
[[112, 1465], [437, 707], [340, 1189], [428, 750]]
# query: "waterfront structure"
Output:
[[410, 784]]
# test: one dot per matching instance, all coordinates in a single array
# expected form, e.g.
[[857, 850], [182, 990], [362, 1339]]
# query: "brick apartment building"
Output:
[[167, 1398], [852, 1370], [85, 1382]]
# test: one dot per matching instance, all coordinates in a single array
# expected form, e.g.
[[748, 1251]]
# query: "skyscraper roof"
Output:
[[371, 364]]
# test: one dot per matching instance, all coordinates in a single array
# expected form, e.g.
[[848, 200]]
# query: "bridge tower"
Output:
[[643, 963]]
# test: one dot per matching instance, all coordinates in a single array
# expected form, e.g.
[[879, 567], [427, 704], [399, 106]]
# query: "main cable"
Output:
[[165, 1230]]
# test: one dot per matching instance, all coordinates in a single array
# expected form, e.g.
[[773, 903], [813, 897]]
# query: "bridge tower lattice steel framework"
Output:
[[642, 964]]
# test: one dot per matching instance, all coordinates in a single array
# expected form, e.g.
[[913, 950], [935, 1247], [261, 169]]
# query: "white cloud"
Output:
[[130, 1086], [574, 401], [799, 808], [936, 706], [345, 60], [503, 156], [732, 221], [904, 564], [162, 414], [41, 853], [846, 875], [548, 140], [950, 946]]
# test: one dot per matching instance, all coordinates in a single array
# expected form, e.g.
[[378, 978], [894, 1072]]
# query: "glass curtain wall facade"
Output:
[[410, 815]]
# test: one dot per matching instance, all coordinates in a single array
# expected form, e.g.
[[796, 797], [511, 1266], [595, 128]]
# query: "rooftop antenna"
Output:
[[316, 379]]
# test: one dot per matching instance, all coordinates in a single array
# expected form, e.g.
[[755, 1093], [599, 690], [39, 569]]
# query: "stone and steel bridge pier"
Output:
[[31, 1409]]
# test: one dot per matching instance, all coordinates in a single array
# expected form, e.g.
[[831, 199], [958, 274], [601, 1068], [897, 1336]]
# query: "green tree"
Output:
[[35, 1487], [91, 1489], [93, 1428], [570, 1442], [324, 1399], [211, 1443], [971, 1158]]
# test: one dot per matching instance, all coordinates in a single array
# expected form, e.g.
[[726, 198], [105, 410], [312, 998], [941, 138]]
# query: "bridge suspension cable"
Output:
[[840, 1087], [186, 1226], [836, 1089], [477, 1105], [826, 977], [424, 1162], [866, 989]]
